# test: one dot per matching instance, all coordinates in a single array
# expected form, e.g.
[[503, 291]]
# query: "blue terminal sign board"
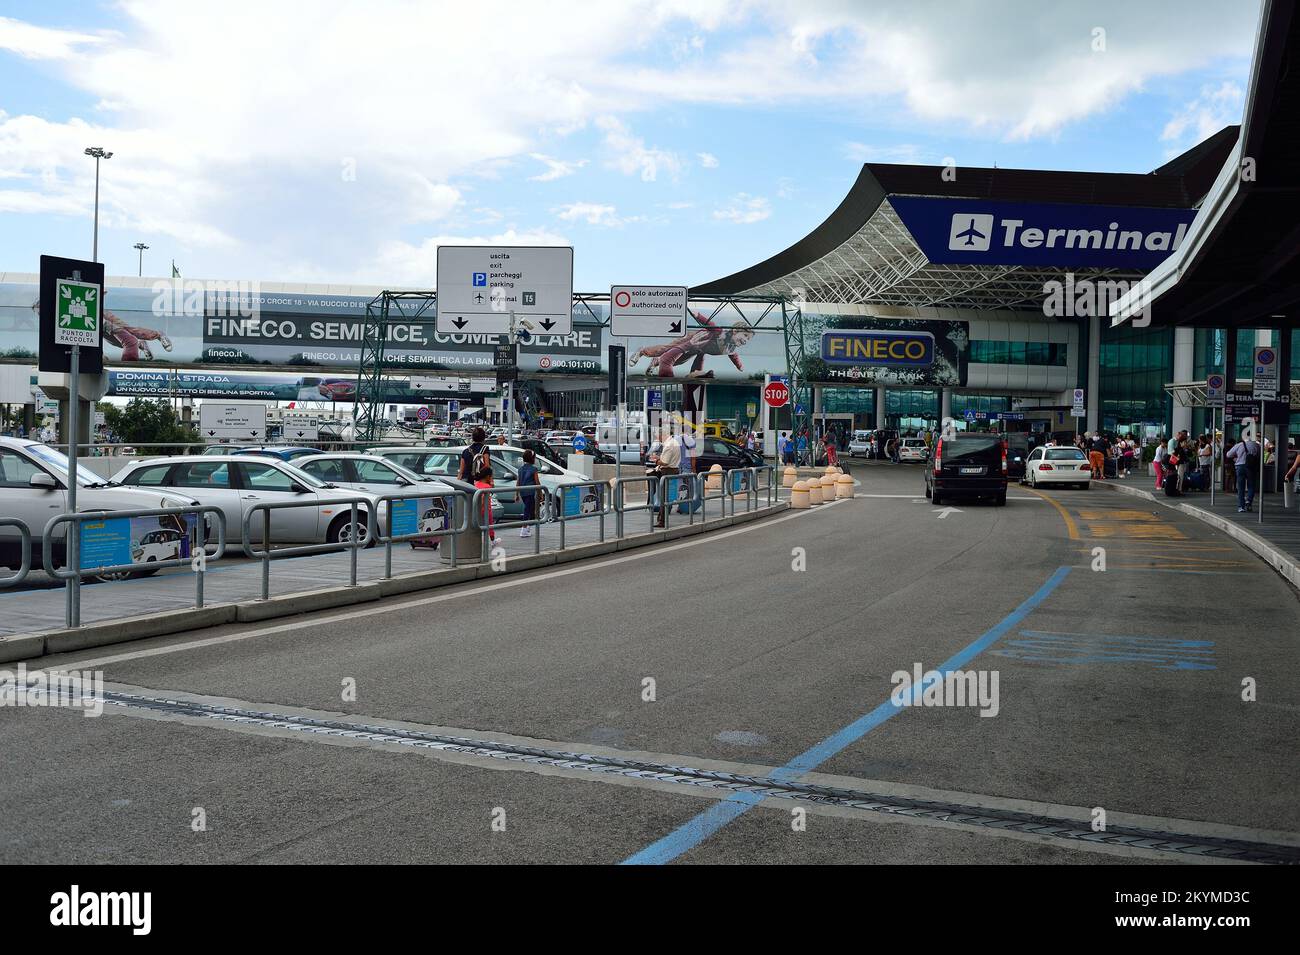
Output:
[[860, 346], [978, 232]]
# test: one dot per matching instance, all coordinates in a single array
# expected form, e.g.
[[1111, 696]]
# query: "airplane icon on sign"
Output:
[[970, 232], [478, 298]]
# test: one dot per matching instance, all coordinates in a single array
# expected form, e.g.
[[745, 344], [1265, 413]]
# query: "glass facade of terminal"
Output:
[[1135, 365], [1018, 353]]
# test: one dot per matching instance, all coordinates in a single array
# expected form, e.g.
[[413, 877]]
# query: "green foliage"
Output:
[[146, 421]]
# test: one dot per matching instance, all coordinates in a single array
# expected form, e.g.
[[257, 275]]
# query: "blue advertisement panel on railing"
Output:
[[977, 232], [419, 515], [575, 501], [116, 541]]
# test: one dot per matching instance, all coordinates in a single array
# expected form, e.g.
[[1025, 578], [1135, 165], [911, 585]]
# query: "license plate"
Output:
[[972, 470]]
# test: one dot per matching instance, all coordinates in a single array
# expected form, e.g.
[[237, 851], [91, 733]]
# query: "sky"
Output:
[[667, 141]]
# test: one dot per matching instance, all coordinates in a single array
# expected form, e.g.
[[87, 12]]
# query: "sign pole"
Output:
[[74, 531], [510, 425], [1259, 490], [1214, 456]]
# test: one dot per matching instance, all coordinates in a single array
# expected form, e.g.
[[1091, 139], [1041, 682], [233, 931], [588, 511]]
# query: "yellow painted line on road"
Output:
[[1070, 524]]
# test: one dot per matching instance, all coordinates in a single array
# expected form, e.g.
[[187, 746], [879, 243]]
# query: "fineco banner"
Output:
[[900, 352], [185, 339], [975, 232]]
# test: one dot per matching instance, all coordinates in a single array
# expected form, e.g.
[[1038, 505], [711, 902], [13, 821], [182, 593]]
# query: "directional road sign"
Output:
[[647, 311], [479, 286], [219, 422]]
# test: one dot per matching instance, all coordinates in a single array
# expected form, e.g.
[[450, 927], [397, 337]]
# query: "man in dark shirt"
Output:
[[468, 457]]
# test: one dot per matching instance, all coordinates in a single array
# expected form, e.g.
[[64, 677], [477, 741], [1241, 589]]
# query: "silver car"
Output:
[[34, 489], [239, 483]]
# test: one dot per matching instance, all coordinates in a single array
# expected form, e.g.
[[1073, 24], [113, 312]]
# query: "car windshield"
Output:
[[300, 475], [59, 461], [970, 449]]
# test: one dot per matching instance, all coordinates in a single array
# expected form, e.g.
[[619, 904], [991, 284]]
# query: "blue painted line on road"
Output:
[[692, 833]]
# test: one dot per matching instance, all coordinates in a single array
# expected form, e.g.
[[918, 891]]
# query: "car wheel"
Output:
[[927, 490], [1001, 499], [935, 498], [340, 531]]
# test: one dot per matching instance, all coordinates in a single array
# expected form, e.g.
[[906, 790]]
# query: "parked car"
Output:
[[282, 452], [506, 460], [711, 451], [1066, 465], [238, 483], [33, 488], [1018, 449], [912, 449], [860, 444], [162, 544], [967, 466]]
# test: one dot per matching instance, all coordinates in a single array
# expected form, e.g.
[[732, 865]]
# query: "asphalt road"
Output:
[[767, 651]]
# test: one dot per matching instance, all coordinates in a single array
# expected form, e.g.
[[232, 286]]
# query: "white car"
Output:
[[506, 461], [238, 483], [368, 472], [33, 488], [162, 544], [1058, 466], [912, 449], [860, 443]]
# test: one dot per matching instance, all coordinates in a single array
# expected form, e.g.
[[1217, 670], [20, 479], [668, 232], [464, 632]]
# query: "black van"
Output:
[[967, 466]]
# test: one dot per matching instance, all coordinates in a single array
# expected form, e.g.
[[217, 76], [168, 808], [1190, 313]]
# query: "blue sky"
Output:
[[667, 141]]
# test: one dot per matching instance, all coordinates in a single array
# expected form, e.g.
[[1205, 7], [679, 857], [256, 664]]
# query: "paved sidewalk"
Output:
[[40, 604]]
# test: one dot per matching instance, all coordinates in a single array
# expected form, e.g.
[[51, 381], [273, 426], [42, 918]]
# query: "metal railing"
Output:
[[449, 499], [621, 506], [75, 543], [268, 553], [510, 492], [558, 504], [25, 536]]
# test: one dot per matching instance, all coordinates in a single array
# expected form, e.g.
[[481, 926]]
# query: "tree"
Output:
[[147, 421]]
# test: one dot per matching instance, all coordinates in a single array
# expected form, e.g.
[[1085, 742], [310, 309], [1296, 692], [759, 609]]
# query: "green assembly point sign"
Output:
[[76, 313]]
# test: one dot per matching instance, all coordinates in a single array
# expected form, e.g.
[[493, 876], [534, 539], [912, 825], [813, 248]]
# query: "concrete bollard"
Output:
[[828, 488], [814, 491], [843, 486], [789, 476], [799, 495], [714, 480]]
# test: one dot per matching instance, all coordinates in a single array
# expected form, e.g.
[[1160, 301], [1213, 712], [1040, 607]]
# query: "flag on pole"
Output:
[[176, 273]]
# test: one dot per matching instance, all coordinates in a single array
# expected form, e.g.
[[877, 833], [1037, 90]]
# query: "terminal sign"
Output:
[[863, 347]]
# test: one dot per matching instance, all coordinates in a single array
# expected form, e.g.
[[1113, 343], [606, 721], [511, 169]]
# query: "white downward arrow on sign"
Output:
[[948, 510]]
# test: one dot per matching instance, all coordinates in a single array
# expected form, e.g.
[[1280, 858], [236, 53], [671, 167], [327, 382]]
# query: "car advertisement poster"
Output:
[[576, 501], [212, 338], [130, 383], [419, 515], [119, 541]]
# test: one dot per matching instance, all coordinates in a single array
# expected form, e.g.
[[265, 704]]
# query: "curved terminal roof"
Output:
[[864, 254]]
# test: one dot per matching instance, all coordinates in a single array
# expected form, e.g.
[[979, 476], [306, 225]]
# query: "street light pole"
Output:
[[97, 153], [140, 246]]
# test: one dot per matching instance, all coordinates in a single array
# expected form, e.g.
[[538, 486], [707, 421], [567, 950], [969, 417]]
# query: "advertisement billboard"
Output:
[[174, 340]]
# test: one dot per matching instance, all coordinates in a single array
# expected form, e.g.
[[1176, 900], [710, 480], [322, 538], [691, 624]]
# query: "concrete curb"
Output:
[[26, 646], [135, 628], [1278, 559]]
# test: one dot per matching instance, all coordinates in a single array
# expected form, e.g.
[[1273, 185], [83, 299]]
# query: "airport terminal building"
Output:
[[1008, 272]]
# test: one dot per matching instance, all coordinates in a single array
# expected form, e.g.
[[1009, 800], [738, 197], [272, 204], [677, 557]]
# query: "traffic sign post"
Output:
[[243, 422], [1265, 380], [647, 311], [302, 427], [776, 394], [71, 310], [481, 289]]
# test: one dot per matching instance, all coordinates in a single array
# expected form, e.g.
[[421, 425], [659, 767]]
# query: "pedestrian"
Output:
[[483, 480], [669, 464], [802, 446], [475, 457], [1097, 449], [528, 476], [687, 441], [892, 449], [1205, 460], [1245, 458], [1162, 452], [1127, 448], [787, 449], [832, 454]]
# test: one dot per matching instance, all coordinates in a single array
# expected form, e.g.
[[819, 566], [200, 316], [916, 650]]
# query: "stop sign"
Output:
[[776, 394]]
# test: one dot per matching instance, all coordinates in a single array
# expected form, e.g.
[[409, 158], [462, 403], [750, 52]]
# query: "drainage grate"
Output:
[[1212, 847]]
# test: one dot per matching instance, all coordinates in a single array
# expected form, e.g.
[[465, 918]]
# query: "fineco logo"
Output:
[[977, 232], [970, 232]]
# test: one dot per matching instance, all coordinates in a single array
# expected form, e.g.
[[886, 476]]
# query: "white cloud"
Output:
[[707, 160], [589, 212], [555, 168], [41, 43], [630, 155], [1208, 113], [232, 141], [744, 209]]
